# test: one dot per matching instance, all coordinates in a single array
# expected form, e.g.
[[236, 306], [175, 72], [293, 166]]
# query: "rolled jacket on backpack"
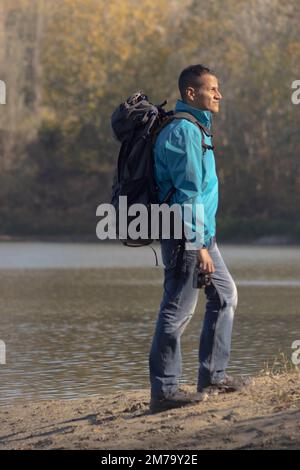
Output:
[[180, 162]]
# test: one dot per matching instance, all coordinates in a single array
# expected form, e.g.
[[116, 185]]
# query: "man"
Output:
[[182, 163]]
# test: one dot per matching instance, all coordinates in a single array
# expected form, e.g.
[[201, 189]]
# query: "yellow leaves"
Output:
[[88, 43]]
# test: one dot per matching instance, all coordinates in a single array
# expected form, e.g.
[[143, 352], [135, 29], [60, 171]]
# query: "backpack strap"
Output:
[[204, 131], [189, 117]]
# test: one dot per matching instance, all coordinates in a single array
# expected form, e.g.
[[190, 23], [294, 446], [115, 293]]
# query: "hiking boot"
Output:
[[177, 400], [228, 384]]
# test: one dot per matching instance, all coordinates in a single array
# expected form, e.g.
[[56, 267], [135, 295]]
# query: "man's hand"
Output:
[[206, 263]]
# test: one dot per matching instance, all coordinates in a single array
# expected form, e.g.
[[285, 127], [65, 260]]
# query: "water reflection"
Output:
[[76, 332]]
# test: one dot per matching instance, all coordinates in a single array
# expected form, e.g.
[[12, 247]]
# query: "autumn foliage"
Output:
[[68, 63]]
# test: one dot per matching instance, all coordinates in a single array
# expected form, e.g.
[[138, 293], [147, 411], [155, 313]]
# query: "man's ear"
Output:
[[190, 93]]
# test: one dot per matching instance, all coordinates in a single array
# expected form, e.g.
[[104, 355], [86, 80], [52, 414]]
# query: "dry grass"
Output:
[[281, 364], [282, 379]]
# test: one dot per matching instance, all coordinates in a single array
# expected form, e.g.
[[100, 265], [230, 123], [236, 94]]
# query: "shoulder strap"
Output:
[[204, 131], [189, 117], [193, 119]]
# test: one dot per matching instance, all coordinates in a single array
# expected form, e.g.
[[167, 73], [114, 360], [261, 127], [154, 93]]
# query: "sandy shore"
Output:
[[266, 416]]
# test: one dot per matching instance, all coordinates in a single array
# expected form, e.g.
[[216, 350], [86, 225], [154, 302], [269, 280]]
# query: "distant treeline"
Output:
[[68, 63]]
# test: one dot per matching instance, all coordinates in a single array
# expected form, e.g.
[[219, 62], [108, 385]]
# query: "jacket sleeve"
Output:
[[184, 159]]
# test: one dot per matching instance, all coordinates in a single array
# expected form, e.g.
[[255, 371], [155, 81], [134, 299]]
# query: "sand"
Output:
[[265, 416]]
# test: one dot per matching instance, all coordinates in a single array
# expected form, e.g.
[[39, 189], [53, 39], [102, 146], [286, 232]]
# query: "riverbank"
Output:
[[265, 416]]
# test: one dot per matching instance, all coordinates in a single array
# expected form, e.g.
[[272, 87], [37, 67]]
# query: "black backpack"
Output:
[[136, 124]]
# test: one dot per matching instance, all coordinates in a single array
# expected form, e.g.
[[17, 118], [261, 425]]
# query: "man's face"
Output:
[[206, 96]]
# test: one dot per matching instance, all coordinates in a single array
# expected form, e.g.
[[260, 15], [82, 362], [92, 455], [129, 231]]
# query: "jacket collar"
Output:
[[204, 117]]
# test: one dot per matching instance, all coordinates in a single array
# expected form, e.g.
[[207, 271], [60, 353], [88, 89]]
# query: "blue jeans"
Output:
[[176, 310]]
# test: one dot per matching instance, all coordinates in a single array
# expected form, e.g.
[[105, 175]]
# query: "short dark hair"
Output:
[[189, 77]]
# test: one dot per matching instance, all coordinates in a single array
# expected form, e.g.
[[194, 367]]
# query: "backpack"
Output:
[[136, 124]]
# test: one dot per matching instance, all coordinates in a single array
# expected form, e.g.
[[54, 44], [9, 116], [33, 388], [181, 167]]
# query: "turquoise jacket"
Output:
[[179, 161]]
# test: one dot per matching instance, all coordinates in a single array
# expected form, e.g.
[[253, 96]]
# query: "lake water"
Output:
[[78, 319]]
